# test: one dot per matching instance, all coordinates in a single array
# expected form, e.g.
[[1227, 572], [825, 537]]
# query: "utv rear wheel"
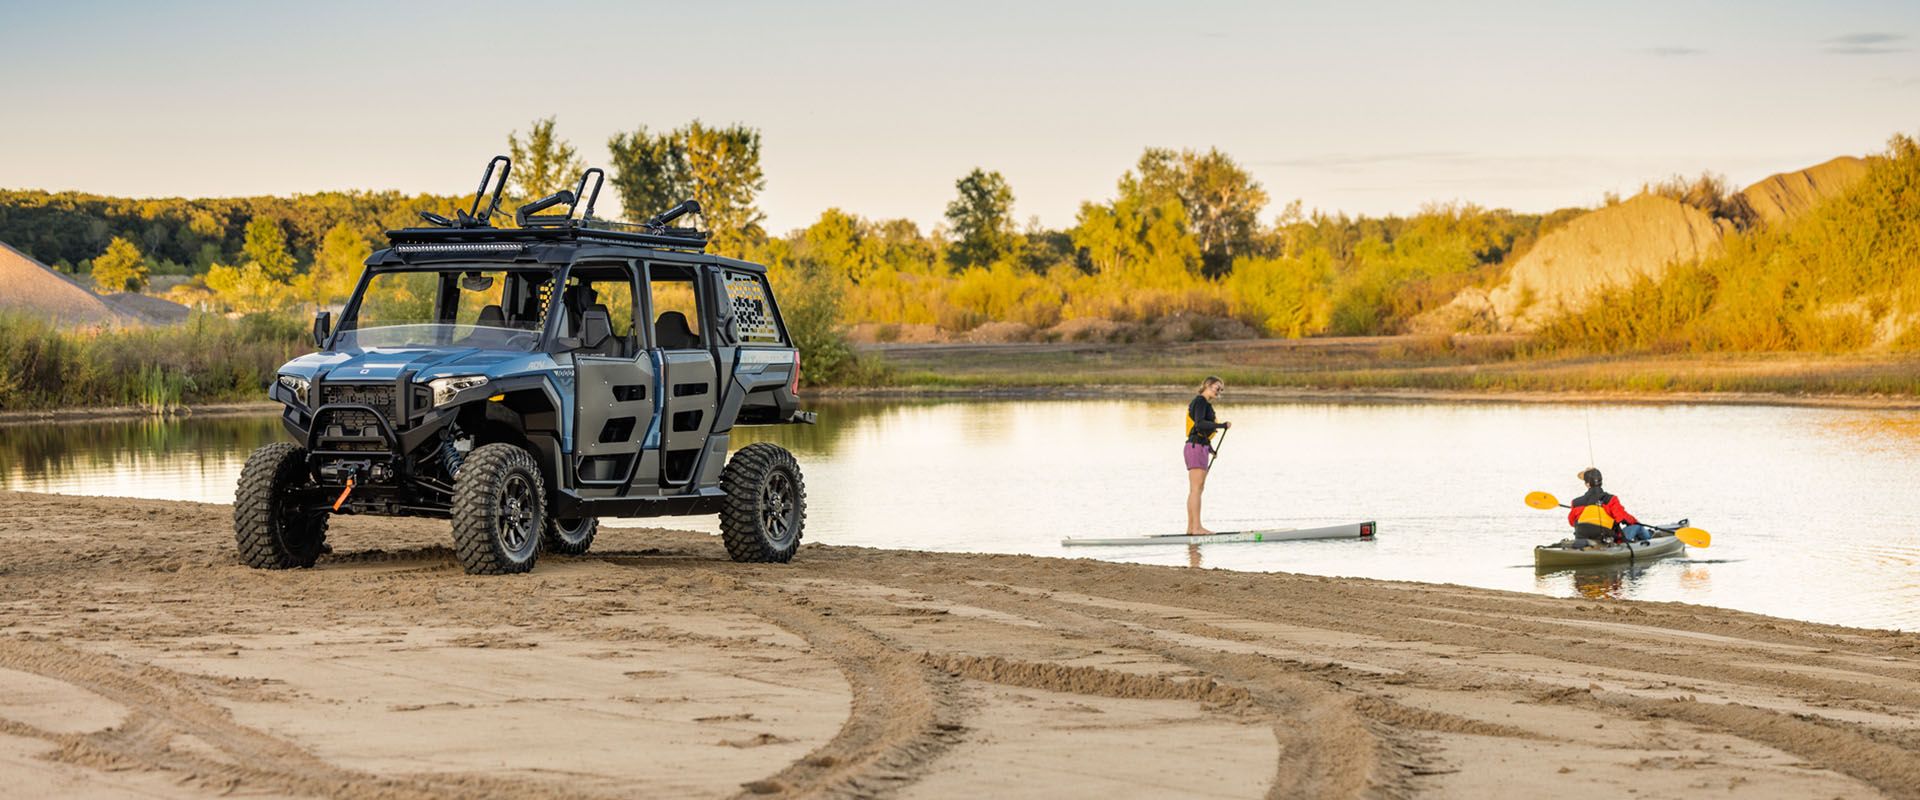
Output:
[[570, 537], [766, 504], [499, 511], [270, 526]]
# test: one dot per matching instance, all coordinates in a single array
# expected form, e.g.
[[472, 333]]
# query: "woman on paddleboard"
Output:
[[1198, 453]]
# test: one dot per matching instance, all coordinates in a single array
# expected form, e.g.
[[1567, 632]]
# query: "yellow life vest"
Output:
[[1190, 429], [1596, 515]]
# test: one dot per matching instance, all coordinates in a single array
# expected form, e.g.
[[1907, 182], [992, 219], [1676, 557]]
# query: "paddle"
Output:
[[1694, 537], [1216, 448]]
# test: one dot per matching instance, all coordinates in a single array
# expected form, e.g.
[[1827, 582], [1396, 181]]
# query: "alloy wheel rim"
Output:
[[516, 513], [777, 505], [290, 523]]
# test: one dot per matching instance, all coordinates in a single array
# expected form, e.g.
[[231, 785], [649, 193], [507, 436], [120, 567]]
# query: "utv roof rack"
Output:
[[475, 227], [500, 238]]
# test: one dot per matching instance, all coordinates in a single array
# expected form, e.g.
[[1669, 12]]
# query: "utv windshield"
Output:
[[491, 309]]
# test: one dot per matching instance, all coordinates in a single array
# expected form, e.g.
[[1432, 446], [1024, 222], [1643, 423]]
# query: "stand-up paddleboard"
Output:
[[1354, 530]]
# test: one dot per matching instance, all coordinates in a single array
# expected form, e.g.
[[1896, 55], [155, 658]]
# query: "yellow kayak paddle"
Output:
[[1694, 537]]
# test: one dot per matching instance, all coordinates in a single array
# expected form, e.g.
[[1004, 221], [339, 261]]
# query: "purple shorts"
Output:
[[1197, 455]]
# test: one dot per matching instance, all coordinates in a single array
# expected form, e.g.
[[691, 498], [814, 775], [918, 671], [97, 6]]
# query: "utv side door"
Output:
[[682, 335], [613, 377]]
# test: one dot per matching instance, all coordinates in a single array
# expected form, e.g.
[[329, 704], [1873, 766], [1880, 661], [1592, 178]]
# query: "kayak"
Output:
[[1657, 547], [1353, 530]]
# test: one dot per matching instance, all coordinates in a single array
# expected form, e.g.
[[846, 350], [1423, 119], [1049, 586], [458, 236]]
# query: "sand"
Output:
[[137, 659]]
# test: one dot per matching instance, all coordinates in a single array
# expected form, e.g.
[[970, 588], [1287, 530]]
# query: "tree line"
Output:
[[1185, 235]]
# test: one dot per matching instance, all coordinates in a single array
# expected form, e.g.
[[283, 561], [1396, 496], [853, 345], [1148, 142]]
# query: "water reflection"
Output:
[[195, 458], [1444, 482]]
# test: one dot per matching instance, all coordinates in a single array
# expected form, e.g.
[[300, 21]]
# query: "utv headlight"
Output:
[[445, 388], [297, 385]]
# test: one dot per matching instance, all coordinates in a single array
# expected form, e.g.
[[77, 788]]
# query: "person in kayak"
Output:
[[1597, 516], [1198, 453]]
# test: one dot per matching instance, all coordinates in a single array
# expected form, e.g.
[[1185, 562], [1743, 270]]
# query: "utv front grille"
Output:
[[350, 421], [380, 397]]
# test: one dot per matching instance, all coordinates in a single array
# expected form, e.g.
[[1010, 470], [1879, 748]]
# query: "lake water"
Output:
[[1811, 510]]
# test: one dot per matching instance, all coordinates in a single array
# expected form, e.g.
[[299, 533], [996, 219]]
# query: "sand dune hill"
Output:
[[30, 286], [26, 285], [1606, 248], [1777, 198], [1612, 246], [1598, 250]]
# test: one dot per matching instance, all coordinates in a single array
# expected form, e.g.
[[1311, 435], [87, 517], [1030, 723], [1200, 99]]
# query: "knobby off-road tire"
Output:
[[269, 527], [499, 510], [766, 506], [570, 537]]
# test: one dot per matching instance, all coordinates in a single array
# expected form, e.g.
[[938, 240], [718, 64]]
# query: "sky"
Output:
[[877, 108]]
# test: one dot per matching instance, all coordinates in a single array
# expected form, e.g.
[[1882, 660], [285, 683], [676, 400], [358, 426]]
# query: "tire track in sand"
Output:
[[162, 705], [904, 714], [1327, 748]]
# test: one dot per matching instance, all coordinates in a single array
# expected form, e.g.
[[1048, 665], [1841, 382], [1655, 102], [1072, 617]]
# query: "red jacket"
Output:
[[1606, 502]]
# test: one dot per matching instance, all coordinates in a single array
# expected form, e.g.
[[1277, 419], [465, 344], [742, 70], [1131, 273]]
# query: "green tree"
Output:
[[266, 246], [248, 289], [1222, 201], [1134, 241], [121, 268], [840, 243], [649, 171], [337, 263], [982, 220], [723, 166], [719, 167], [810, 307], [542, 163]]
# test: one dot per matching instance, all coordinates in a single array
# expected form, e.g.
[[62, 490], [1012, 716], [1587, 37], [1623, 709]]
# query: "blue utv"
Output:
[[525, 381]]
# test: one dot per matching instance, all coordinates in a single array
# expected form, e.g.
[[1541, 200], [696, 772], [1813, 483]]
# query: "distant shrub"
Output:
[[1710, 193]]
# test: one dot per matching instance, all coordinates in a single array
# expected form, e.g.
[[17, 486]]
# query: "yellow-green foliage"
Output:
[[810, 296], [207, 359], [1287, 297], [1845, 276], [337, 264], [1420, 263], [121, 268], [71, 227], [1133, 260]]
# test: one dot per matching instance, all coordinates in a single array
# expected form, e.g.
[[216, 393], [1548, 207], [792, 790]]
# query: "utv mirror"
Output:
[[476, 282], [322, 328]]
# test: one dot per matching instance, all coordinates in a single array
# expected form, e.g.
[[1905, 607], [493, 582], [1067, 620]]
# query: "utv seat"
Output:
[[596, 333], [575, 300], [672, 332], [490, 317]]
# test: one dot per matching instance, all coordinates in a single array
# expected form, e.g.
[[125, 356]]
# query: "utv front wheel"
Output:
[[499, 510], [570, 537], [766, 504], [270, 525]]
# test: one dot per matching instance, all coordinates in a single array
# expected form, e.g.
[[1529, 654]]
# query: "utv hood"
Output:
[[386, 364]]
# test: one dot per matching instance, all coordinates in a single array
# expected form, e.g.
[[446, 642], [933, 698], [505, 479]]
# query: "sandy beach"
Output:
[[137, 659]]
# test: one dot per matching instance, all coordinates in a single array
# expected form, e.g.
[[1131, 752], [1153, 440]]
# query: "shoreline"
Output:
[[385, 671], [1275, 394], [1389, 396], [117, 413]]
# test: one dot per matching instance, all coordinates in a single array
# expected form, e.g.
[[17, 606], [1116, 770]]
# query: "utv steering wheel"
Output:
[[523, 339]]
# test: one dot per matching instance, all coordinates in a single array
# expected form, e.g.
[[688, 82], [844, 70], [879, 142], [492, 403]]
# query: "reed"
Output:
[[204, 360]]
